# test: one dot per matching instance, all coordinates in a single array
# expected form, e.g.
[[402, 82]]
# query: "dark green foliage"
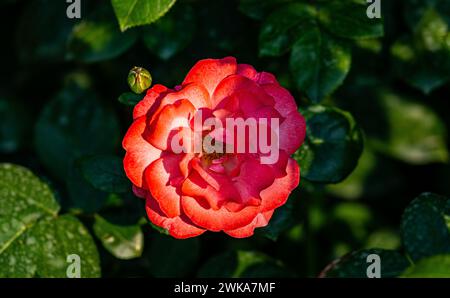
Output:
[[374, 94], [332, 147]]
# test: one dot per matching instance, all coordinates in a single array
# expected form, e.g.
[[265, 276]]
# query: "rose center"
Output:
[[213, 152]]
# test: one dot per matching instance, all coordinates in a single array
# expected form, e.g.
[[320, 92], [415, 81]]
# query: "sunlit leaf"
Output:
[[431, 267], [319, 62], [124, 242], [34, 240], [132, 13]]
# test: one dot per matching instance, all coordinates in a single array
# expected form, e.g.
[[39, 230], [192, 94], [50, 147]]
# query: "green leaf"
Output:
[[130, 98], [165, 252], [416, 134], [431, 267], [332, 146], [58, 238], [319, 63], [348, 19], [24, 200], [97, 38], [283, 27], [132, 13], [124, 242], [14, 125], [424, 228], [105, 172], [159, 229], [355, 264], [172, 33], [71, 125], [34, 241], [43, 250], [281, 220]]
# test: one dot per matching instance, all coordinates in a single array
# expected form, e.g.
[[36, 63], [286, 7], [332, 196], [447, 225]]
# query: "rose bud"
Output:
[[139, 79]]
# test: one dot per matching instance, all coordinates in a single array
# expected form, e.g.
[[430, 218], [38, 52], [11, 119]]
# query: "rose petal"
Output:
[[164, 179], [265, 112], [179, 227], [261, 220], [252, 179], [139, 192], [252, 100], [227, 108], [196, 94], [210, 72], [277, 194], [140, 153], [147, 102], [166, 124], [292, 132], [284, 101], [185, 164], [279, 168], [247, 71], [235, 83], [217, 220], [268, 123], [266, 78], [196, 186]]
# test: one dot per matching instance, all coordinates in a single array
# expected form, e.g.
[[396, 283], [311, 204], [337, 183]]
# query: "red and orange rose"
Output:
[[189, 192]]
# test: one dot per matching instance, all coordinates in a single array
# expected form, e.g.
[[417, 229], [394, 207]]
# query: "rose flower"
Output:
[[198, 172]]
